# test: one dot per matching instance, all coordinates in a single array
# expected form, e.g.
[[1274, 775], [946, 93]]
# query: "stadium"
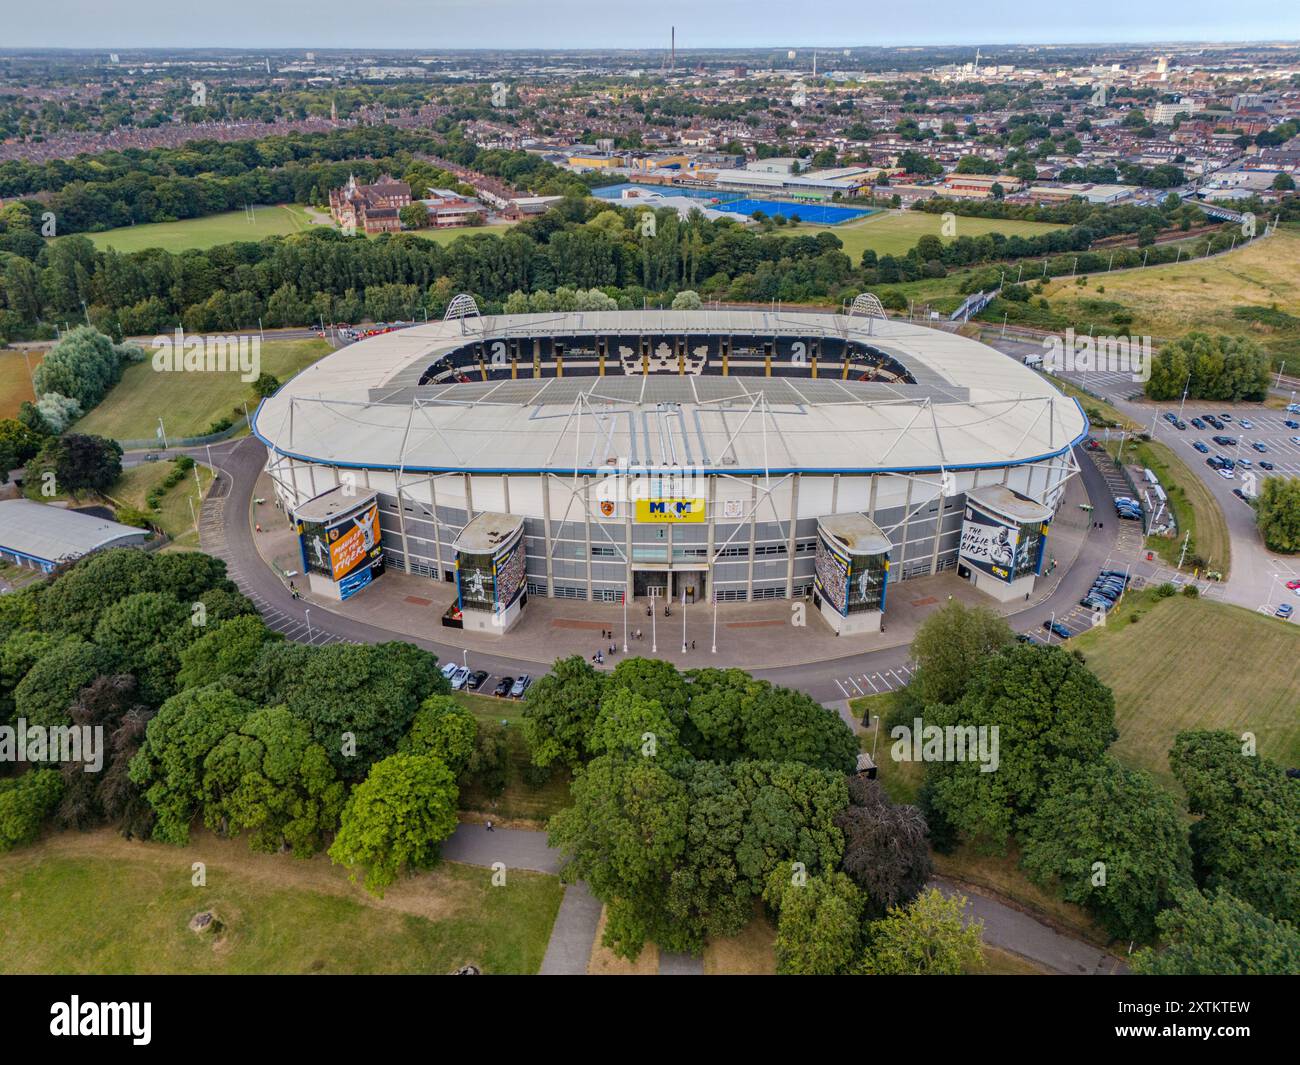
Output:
[[715, 455]]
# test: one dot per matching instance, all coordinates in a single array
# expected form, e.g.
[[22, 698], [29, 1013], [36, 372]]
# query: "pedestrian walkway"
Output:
[[1015, 931]]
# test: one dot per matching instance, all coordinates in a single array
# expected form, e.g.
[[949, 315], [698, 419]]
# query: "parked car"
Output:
[[1170, 417], [1180, 425], [1227, 475], [1293, 408], [1201, 448], [1226, 417], [449, 669], [1226, 441], [476, 679], [1291, 424], [1121, 574], [520, 686], [1246, 423], [503, 687], [1057, 629], [1266, 465], [1284, 611], [1260, 446], [1295, 439], [459, 678], [1198, 423], [1245, 464], [1293, 586], [1092, 602]]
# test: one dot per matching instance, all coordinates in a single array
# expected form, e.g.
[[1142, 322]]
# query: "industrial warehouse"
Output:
[[698, 456]]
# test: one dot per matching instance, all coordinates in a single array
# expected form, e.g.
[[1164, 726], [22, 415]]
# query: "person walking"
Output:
[[490, 828]]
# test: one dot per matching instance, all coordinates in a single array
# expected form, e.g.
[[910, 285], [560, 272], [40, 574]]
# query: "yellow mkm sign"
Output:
[[674, 510]]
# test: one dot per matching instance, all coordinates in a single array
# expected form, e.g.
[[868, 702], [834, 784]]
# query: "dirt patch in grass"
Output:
[[752, 953], [604, 962]]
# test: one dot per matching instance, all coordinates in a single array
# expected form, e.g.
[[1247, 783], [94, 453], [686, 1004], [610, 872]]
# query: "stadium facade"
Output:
[[709, 455]]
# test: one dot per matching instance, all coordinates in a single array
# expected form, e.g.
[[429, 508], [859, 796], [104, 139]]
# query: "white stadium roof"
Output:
[[970, 407]]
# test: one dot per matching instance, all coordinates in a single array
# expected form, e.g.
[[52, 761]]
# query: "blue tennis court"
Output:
[[807, 212]]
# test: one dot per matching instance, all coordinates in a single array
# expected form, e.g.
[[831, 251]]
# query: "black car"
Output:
[[1201, 448], [1198, 423], [1266, 465], [476, 679], [1226, 441], [503, 687], [1291, 425], [1240, 495]]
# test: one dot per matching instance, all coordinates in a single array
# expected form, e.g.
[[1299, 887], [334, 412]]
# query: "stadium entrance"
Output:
[[656, 584]]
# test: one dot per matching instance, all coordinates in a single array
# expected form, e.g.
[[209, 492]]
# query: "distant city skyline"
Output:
[[560, 24]]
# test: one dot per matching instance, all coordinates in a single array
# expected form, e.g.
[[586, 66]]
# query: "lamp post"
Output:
[[625, 620], [307, 616], [875, 739]]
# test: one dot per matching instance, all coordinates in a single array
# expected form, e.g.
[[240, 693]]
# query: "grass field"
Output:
[[15, 383], [174, 519], [895, 232], [205, 232], [189, 402], [1169, 301], [520, 801], [1195, 664], [96, 903]]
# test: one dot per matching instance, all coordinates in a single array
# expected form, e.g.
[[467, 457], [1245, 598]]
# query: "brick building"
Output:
[[370, 208]]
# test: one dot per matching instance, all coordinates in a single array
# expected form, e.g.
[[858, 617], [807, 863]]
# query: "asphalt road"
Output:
[[225, 533]]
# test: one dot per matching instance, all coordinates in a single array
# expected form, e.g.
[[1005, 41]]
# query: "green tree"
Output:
[[1049, 711], [1277, 512], [928, 937], [624, 835], [271, 780], [1220, 935], [1247, 838], [559, 711], [444, 728], [1115, 843], [950, 646], [78, 462], [396, 818], [52, 683], [819, 923], [224, 652], [169, 767], [25, 802], [266, 385]]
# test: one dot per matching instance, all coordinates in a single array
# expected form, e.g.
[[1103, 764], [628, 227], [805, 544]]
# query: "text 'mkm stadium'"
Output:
[[708, 455]]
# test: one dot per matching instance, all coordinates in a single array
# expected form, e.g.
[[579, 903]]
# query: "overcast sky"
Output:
[[432, 24]]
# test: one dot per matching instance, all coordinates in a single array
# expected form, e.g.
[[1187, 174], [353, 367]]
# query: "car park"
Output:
[[1201, 447], [503, 687], [520, 686], [1284, 611], [476, 679], [459, 678]]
